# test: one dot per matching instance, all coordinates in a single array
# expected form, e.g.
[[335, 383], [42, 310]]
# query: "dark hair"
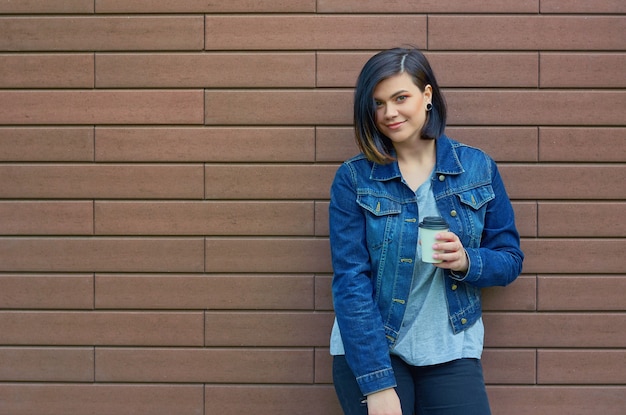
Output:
[[376, 146]]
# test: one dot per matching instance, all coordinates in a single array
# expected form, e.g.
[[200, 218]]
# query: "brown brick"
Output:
[[210, 70], [237, 181], [260, 329], [583, 70], [102, 328], [525, 32], [313, 32], [459, 69], [306, 255], [334, 144], [535, 107], [210, 144], [441, 6], [588, 367], [203, 218], [94, 399], [582, 144], [526, 218], [520, 296], [323, 365], [581, 292], [565, 256], [516, 144], [47, 71], [102, 107], [202, 6], [47, 6], [509, 366], [80, 33], [323, 292], [271, 400], [37, 364], [37, 291], [163, 181], [584, 219], [574, 400], [547, 181], [280, 107], [181, 365], [583, 6], [321, 218], [101, 254], [46, 218], [46, 144], [554, 329], [213, 292]]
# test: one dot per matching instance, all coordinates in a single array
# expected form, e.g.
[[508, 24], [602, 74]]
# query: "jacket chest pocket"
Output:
[[471, 215], [382, 214]]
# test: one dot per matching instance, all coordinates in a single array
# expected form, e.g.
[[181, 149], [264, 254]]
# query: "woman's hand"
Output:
[[385, 402], [453, 253]]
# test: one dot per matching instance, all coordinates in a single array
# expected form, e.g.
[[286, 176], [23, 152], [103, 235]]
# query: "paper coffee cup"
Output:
[[428, 228]]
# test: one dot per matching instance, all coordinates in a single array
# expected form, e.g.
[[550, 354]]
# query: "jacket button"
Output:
[[454, 287], [442, 177], [453, 213], [463, 321]]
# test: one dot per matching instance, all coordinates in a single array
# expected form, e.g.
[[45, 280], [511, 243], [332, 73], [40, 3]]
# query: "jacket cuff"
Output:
[[377, 381]]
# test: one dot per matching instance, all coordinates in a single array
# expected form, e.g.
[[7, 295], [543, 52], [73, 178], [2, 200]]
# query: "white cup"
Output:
[[428, 228]]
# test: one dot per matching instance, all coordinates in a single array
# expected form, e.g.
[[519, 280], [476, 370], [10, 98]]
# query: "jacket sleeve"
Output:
[[358, 317], [498, 259]]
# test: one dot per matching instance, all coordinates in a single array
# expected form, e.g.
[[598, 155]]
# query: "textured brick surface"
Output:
[[165, 170]]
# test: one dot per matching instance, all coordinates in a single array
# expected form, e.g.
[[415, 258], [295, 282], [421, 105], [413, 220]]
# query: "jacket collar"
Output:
[[447, 162]]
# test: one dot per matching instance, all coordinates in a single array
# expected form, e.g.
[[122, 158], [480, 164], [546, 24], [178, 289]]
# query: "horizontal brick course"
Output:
[[313, 32], [561, 219], [548, 400], [101, 399], [108, 33], [38, 107], [581, 367], [164, 181], [47, 70], [46, 218], [267, 329], [201, 6], [574, 255], [46, 144], [576, 292], [203, 218], [558, 144], [582, 6], [183, 365], [275, 400], [267, 255], [46, 364], [575, 330], [525, 32], [212, 292], [576, 70], [441, 6], [208, 144], [101, 254], [46, 291], [47, 6], [207, 70], [101, 328]]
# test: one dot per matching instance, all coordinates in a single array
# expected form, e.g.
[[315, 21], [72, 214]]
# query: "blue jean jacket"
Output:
[[373, 237]]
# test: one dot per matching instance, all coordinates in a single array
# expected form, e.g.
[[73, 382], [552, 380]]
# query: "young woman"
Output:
[[408, 335]]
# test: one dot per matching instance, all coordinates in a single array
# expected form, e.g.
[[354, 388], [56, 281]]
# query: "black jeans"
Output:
[[453, 388]]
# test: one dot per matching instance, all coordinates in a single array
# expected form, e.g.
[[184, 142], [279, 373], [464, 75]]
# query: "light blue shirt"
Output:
[[426, 336]]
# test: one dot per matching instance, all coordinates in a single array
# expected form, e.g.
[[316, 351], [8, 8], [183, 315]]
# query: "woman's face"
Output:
[[401, 108]]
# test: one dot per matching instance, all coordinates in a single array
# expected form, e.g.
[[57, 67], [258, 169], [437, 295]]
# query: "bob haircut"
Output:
[[376, 146]]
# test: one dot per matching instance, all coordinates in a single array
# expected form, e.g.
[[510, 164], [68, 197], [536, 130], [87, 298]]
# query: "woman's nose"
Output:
[[391, 111]]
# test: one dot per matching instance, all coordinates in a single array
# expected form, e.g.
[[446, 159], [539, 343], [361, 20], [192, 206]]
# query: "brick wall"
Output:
[[164, 171]]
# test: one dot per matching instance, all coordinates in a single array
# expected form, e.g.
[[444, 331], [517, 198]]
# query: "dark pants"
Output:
[[453, 388]]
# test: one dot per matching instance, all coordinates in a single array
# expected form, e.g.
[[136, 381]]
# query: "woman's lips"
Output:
[[395, 125]]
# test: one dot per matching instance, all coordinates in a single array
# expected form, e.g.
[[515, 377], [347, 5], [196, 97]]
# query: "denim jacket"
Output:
[[373, 236]]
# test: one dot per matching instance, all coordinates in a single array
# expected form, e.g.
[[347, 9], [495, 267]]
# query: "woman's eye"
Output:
[[401, 98], [378, 104]]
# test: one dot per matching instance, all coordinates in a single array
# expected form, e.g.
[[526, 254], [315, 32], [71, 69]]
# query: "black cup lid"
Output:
[[434, 222]]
